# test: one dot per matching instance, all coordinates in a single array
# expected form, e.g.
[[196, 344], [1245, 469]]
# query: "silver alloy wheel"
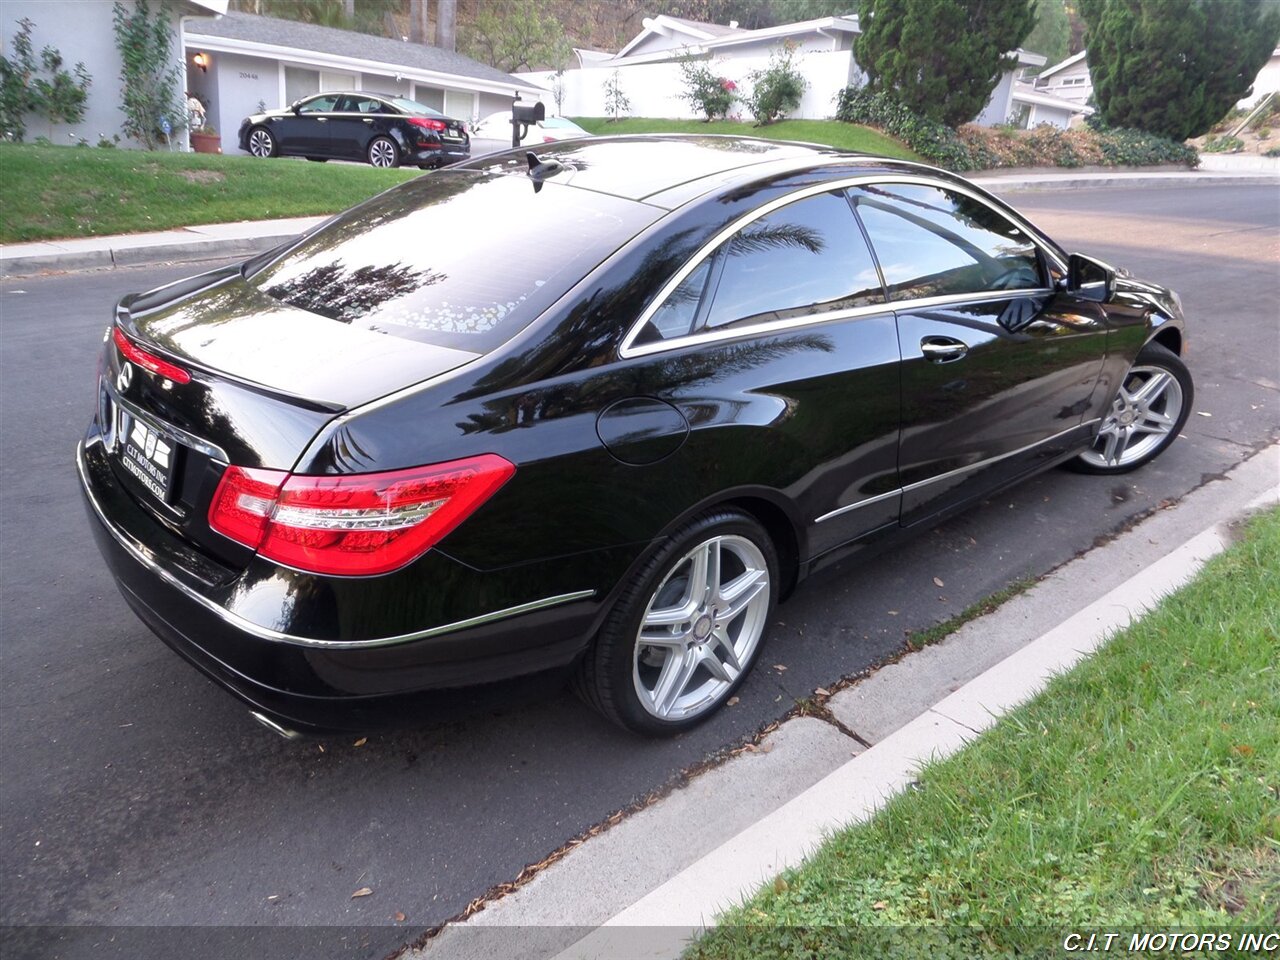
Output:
[[382, 153], [1145, 411], [260, 143], [701, 627]]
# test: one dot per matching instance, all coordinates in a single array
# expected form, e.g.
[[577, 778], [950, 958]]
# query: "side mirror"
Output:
[[1090, 279], [295, 106]]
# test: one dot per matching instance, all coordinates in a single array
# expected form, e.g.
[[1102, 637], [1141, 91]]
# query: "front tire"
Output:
[[1146, 416], [262, 143], [686, 631], [384, 153]]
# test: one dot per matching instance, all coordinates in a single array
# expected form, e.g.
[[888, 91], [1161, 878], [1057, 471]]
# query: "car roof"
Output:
[[670, 169]]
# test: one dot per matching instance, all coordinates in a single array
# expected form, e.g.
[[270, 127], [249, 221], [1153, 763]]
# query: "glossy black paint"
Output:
[[843, 417], [342, 133]]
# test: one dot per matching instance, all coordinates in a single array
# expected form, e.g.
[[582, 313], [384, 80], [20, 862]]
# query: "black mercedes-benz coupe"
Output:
[[592, 412], [375, 128]]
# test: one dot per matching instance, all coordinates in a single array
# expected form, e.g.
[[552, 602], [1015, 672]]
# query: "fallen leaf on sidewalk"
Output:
[[1201, 413], [893, 613], [362, 892], [399, 917], [361, 742], [273, 898], [823, 692], [937, 582], [732, 702], [780, 667]]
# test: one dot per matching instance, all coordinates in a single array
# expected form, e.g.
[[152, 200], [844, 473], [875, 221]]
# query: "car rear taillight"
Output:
[[147, 360], [548, 139], [353, 525], [427, 123]]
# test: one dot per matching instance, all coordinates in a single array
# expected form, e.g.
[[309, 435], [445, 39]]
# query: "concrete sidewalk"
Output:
[[249, 237], [643, 887]]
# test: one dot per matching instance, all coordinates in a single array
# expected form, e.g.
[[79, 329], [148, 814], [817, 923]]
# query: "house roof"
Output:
[[1075, 58], [663, 25], [271, 36], [1026, 93]]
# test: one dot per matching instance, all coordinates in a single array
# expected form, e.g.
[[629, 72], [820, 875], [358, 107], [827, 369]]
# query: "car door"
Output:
[[305, 133], [357, 120], [783, 335], [998, 364]]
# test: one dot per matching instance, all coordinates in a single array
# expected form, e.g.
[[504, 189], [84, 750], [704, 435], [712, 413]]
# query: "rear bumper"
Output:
[[315, 685], [440, 153]]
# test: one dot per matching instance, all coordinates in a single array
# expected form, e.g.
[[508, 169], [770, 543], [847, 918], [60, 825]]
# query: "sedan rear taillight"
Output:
[[427, 123], [354, 525], [147, 360]]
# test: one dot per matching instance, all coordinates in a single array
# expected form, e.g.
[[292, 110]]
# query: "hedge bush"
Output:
[[984, 148]]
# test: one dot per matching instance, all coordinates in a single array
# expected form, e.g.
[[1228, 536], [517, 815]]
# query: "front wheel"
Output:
[[383, 152], [1146, 416], [262, 143], [684, 634]]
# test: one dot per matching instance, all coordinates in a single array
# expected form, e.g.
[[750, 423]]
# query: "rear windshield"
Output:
[[454, 258], [414, 107]]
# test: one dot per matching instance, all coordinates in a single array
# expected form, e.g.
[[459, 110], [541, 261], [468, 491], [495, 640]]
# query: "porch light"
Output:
[[201, 60]]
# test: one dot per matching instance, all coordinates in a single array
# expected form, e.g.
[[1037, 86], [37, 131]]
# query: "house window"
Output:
[[1073, 81]]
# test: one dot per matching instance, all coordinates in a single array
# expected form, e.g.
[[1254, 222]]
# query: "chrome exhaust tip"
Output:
[[274, 727]]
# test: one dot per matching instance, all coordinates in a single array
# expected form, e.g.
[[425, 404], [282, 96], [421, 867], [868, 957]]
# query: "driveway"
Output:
[[134, 793]]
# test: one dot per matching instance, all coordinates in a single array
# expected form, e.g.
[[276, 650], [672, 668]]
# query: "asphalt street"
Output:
[[134, 793]]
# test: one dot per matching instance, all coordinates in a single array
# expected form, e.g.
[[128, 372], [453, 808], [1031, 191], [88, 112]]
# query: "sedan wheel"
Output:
[[261, 142], [686, 633], [1146, 416], [383, 152]]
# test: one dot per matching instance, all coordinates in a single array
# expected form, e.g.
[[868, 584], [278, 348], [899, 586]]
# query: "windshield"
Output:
[[456, 258], [414, 107]]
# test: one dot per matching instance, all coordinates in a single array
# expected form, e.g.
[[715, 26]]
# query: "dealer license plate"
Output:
[[147, 455]]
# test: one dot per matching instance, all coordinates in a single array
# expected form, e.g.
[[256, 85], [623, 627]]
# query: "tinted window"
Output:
[[415, 108], [676, 315], [325, 104], [361, 105], [457, 259], [808, 257], [933, 242]]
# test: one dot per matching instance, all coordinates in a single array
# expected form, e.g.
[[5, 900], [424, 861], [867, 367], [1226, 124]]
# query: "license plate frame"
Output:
[[147, 454]]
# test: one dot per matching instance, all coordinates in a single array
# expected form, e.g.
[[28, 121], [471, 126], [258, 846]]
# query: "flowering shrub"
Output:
[[705, 92], [776, 90]]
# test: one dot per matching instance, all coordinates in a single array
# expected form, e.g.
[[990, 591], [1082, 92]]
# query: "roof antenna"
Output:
[[539, 170]]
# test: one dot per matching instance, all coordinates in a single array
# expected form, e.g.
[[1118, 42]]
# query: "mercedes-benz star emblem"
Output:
[[124, 377]]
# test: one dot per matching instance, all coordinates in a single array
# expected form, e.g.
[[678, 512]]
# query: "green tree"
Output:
[[516, 35], [616, 103], [1175, 67], [941, 58], [1051, 36], [150, 91], [790, 11], [61, 97]]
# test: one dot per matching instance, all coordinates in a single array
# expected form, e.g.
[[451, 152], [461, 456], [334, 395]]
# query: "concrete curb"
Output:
[[211, 241], [600, 899]]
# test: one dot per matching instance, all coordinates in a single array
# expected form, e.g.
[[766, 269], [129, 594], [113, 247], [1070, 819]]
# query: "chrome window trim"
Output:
[[629, 349], [954, 473], [147, 559]]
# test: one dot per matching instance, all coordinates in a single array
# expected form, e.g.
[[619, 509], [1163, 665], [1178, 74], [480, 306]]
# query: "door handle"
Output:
[[943, 349], [368, 119], [322, 119]]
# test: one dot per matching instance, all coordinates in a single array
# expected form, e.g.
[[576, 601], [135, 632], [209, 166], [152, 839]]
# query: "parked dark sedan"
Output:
[[594, 411], [383, 130]]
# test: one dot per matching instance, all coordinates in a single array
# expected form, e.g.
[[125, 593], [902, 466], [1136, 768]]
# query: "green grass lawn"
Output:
[[832, 133], [1140, 791], [48, 193]]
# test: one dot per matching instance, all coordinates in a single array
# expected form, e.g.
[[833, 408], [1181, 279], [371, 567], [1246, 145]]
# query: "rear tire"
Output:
[[684, 634], [1146, 416], [383, 153]]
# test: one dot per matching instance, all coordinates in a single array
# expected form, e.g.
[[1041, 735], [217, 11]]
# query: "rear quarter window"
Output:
[[457, 259]]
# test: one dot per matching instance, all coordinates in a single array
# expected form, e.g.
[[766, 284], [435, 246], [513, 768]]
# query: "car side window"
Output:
[[933, 242], [806, 258], [325, 104], [366, 105]]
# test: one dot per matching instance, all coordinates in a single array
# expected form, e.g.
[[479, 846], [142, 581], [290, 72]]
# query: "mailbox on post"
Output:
[[523, 114]]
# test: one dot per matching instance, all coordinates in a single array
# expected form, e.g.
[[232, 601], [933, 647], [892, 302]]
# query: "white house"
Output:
[[649, 77], [1267, 81], [241, 63], [82, 31], [1068, 79], [1033, 107]]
